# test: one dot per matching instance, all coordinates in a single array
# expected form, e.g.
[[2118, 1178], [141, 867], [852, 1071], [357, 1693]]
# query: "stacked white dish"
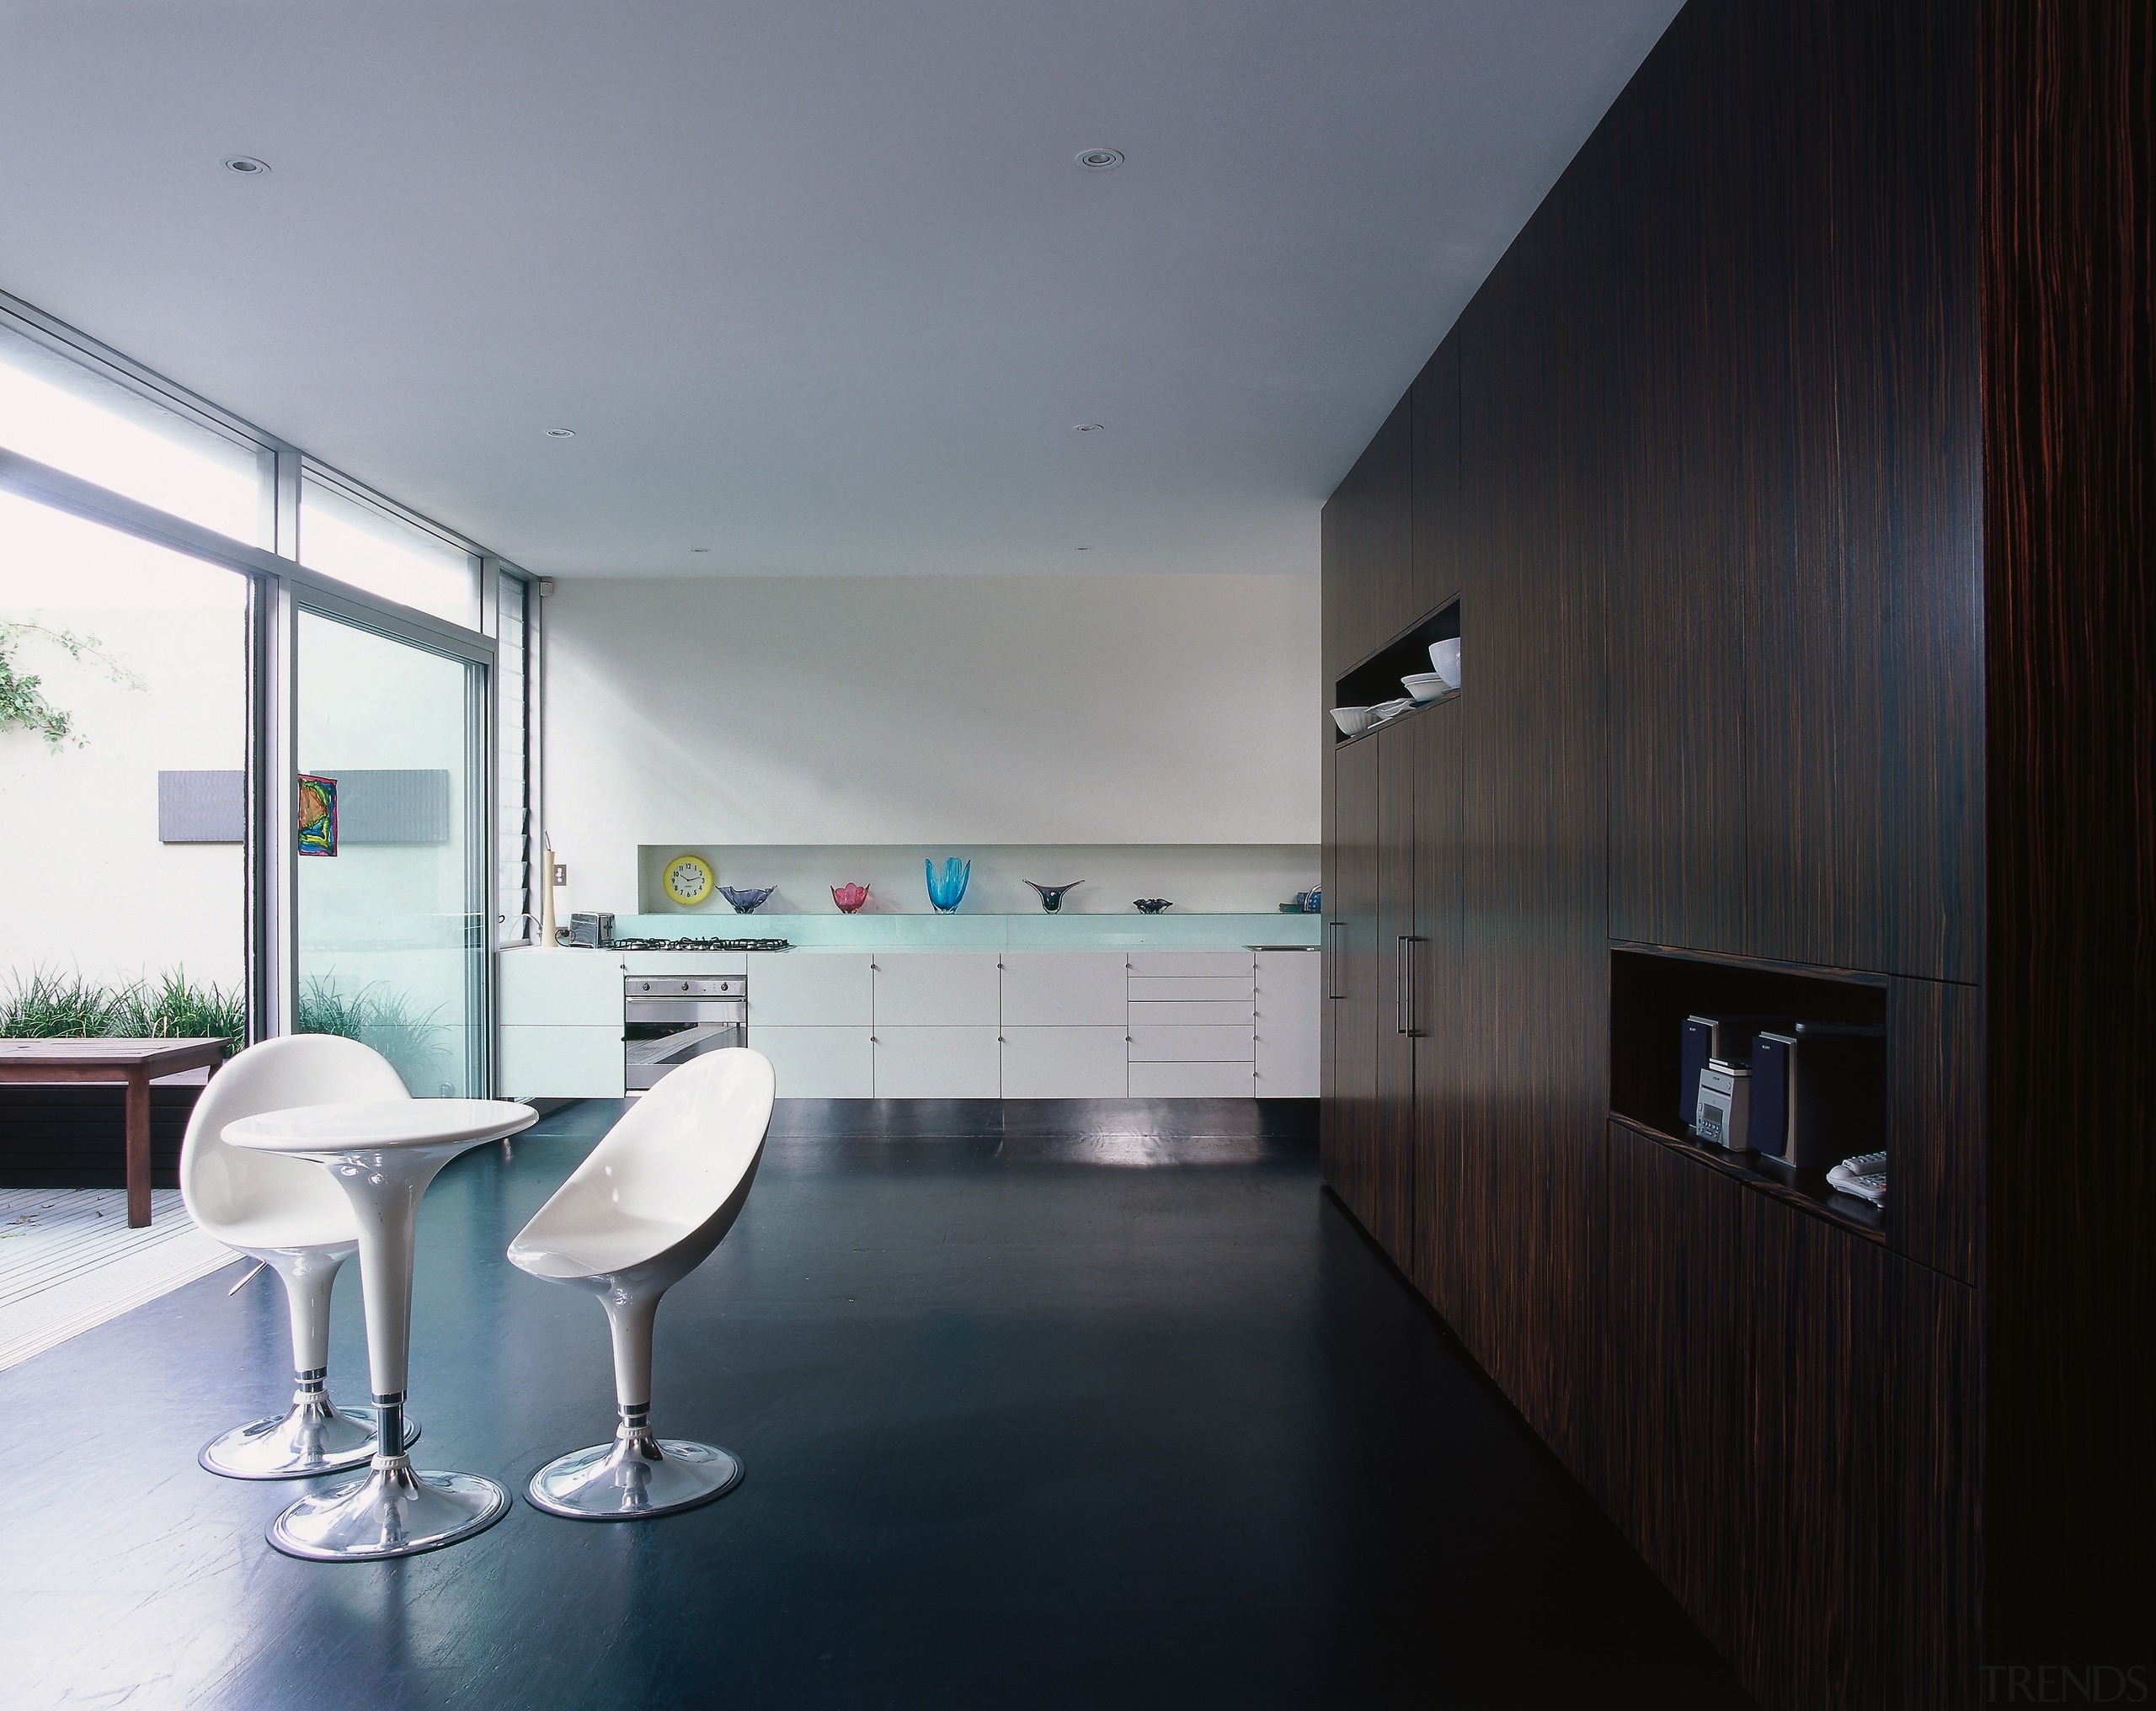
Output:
[[1390, 710], [1425, 685]]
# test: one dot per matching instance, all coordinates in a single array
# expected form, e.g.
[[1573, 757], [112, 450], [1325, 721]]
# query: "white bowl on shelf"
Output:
[[1444, 660], [1425, 685], [1354, 721]]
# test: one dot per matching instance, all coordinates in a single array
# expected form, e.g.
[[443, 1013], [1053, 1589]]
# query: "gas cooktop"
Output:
[[699, 945]]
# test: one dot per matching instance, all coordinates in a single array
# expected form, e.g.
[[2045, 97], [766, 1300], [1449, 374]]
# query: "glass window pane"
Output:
[[61, 413], [125, 877], [344, 536], [513, 800], [390, 885]]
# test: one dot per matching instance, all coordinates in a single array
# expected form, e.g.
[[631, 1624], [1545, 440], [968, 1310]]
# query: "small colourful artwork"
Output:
[[318, 816]]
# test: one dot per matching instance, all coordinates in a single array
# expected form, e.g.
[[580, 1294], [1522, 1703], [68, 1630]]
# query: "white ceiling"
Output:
[[817, 284]]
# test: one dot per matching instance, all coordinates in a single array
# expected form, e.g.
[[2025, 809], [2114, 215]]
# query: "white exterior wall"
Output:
[[84, 884]]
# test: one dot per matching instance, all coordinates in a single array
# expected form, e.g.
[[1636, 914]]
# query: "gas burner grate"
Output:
[[700, 944]]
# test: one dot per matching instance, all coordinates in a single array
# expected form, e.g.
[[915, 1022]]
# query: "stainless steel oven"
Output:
[[668, 1018]]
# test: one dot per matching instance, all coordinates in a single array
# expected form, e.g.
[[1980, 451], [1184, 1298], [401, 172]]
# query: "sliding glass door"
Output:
[[391, 878]]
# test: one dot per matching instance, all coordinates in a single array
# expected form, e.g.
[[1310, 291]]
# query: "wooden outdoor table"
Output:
[[135, 1062]]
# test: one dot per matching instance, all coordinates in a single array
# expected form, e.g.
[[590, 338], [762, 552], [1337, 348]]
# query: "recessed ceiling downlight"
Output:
[[1100, 160], [246, 165], [561, 432]]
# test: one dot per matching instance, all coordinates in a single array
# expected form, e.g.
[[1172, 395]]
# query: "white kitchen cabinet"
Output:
[[1175, 1042], [1065, 988], [1066, 1063], [1190, 1081], [1157, 988], [936, 988], [811, 989], [1215, 963], [562, 1062], [561, 989], [925, 1062], [1289, 996], [818, 1063], [1235, 1011]]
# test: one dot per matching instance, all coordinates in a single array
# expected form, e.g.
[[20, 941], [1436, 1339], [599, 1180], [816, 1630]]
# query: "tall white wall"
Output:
[[1061, 710]]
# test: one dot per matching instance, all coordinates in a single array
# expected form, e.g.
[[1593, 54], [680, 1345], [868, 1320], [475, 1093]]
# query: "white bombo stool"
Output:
[[291, 1216], [648, 1207]]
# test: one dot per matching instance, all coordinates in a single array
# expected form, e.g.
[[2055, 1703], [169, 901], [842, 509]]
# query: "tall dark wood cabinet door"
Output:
[[1348, 1130], [1535, 490], [1372, 516], [1400, 748], [1704, 171], [1435, 399], [1865, 719], [1442, 1257]]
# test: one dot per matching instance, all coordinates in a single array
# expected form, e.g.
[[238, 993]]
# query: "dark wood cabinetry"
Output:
[[1735, 472]]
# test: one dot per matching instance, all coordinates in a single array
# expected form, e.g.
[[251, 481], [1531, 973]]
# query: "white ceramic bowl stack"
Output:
[[1444, 661], [1425, 685], [1354, 721]]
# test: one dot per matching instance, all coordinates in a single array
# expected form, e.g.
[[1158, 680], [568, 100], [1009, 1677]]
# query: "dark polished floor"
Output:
[[1046, 1405]]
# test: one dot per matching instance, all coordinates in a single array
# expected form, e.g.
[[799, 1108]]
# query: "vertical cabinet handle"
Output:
[[1400, 984], [1333, 930], [1414, 1028]]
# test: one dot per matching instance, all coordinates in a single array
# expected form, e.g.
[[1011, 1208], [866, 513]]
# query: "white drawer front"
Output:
[[1172, 1043], [936, 989], [811, 989], [1153, 987], [937, 1063], [811, 1063], [1065, 988], [1190, 962], [1232, 1012], [1190, 1081], [561, 989], [1065, 1063], [541, 1063]]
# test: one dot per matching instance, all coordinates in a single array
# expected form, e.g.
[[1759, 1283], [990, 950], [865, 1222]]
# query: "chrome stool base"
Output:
[[313, 1436], [391, 1513], [634, 1478]]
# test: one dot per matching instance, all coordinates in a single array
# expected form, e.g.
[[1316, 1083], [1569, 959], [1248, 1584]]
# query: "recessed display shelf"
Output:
[[1377, 679], [1653, 990]]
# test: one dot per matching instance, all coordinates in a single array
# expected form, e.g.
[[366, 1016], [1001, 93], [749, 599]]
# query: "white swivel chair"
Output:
[[287, 1213], [648, 1207]]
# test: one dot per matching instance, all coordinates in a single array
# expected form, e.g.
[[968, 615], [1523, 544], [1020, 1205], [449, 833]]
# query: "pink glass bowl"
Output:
[[849, 898]]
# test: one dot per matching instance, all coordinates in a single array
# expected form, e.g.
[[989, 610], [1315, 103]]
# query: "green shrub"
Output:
[[48, 1006], [175, 1008], [378, 1018]]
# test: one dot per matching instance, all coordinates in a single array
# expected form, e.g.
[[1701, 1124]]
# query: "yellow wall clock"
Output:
[[688, 880]]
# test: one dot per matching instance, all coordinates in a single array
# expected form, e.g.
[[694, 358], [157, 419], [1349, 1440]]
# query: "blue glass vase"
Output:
[[944, 890]]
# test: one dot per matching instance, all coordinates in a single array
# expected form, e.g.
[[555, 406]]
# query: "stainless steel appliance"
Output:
[[668, 1018]]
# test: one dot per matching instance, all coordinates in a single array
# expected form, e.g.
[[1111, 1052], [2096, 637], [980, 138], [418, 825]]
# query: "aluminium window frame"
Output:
[[278, 588]]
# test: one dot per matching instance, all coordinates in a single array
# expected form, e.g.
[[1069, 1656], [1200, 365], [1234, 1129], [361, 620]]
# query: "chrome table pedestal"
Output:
[[391, 1513], [635, 1476], [383, 1154], [314, 1436]]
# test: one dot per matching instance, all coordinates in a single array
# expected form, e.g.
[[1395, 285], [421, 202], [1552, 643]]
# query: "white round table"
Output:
[[383, 1154]]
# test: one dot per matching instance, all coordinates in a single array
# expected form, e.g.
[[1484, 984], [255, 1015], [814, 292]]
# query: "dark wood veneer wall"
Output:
[[1792, 472]]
